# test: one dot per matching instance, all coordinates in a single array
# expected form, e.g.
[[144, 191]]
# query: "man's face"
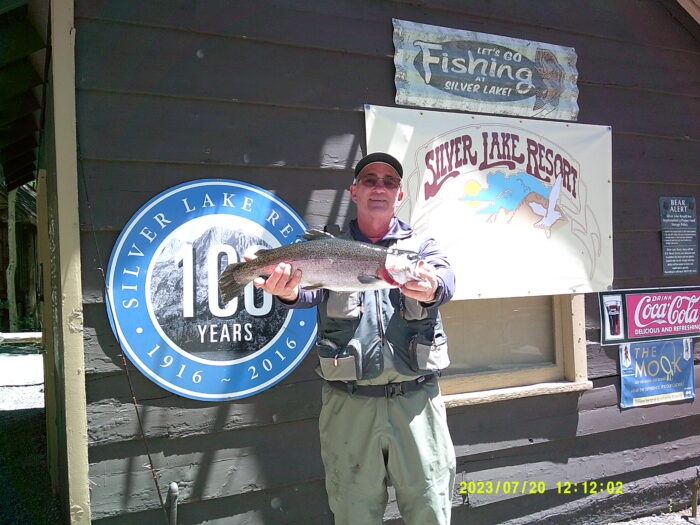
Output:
[[377, 190]]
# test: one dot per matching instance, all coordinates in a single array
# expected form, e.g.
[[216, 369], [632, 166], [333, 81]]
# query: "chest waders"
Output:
[[358, 331], [394, 430]]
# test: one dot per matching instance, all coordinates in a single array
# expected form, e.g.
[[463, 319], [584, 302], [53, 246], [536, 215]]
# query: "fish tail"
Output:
[[232, 281]]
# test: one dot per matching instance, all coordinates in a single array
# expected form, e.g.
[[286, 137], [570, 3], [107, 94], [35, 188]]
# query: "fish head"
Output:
[[403, 266]]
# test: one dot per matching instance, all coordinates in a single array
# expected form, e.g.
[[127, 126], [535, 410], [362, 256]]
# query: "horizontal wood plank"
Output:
[[596, 457], [320, 195], [602, 361], [140, 127], [178, 63], [304, 502], [638, 262], [602, 18], [184, 64], [636, 206], [205, 467], [637, 254], [362, 26], [590, 456], [639, 112], [119, 189], [478, 429], [114, 421], [644, 492], [110, 387], [655, 281], [649, 159]]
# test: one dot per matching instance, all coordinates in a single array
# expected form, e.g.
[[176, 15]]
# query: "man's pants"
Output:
[[365, 440]]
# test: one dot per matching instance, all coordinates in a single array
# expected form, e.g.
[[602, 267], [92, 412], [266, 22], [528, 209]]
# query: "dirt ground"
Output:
[[25, 487], [673, 518]]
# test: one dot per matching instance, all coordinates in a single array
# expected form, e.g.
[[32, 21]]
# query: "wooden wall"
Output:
[[272, 92]]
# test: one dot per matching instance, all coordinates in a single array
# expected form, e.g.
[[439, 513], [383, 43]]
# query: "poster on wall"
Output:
[[520, 207], [679, 235], [439, 67], [163, 297], [649, 314], [656, 372]]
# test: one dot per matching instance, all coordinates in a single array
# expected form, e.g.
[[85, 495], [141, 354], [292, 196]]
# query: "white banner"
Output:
[[440, 67], [521, 207]]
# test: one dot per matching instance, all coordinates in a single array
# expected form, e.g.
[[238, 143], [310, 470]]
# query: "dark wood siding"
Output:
[[272, 93]]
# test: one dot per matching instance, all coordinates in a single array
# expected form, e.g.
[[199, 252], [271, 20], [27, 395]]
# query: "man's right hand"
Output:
[[281, 282]]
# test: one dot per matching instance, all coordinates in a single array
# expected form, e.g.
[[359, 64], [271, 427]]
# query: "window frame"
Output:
[[569, 372]]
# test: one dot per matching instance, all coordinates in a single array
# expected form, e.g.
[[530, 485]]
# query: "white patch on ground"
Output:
[[20, 397], [21, 381], [18, 370]]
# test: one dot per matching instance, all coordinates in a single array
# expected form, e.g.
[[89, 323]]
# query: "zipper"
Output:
[[380, 320]]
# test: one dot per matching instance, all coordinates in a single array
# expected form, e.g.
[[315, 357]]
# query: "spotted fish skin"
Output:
[[328, 262]]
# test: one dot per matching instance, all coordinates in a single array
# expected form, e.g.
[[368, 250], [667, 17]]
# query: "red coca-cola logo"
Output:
[[680, 309]]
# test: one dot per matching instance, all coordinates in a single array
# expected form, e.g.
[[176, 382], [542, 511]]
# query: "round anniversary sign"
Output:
[[163, 296]]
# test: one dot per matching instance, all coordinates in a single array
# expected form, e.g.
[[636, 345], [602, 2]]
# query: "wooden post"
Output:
[[67, 304], [51, 398], [12, 258]]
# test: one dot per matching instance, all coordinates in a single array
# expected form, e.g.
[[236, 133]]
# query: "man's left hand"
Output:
[[424, 289]]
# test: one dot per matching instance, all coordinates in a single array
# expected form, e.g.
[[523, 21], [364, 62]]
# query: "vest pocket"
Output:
[[413, 311], [343, 305], [339, 364], [427, 355]]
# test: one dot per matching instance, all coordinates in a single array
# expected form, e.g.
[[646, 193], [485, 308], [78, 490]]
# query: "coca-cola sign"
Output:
[[663, 313]]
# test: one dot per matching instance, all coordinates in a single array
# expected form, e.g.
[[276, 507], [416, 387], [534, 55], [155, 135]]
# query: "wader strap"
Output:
[[389, 390]]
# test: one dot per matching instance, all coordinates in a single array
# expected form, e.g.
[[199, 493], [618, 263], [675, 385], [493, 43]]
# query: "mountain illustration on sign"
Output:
[[518, 196], [203, 334]]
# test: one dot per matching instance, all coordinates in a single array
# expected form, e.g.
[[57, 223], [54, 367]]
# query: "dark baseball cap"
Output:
[[379, 157]]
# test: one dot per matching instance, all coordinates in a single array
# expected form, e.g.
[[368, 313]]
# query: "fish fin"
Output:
[[229, 285], [333, 229], [368, 279], [312, 287], [314, 234]]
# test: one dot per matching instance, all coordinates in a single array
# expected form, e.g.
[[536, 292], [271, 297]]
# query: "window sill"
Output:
[[505, 394]]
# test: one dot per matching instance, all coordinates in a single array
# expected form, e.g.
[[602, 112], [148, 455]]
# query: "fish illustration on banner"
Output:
[[510, 200]]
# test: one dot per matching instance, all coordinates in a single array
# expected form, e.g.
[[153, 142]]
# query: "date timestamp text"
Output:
[[540, 487]]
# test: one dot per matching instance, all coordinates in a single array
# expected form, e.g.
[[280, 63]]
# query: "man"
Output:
[[380, 352]]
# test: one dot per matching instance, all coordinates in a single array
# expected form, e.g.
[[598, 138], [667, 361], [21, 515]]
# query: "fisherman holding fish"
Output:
[[381, 346]]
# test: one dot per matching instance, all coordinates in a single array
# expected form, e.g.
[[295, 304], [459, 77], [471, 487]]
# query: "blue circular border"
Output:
[[126, 294]]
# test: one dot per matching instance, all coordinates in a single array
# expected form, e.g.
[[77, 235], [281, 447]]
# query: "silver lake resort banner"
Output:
[[521, 207]]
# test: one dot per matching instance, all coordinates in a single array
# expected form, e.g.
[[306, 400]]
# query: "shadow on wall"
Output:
[[258, 455], [263, 448]]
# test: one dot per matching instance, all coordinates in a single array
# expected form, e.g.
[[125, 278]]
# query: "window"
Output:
[[514, 347]]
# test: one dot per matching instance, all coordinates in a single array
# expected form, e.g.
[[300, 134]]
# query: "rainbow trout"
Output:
[[328, 262]]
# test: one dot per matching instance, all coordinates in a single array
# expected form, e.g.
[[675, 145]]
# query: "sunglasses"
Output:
[[370, 181]]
